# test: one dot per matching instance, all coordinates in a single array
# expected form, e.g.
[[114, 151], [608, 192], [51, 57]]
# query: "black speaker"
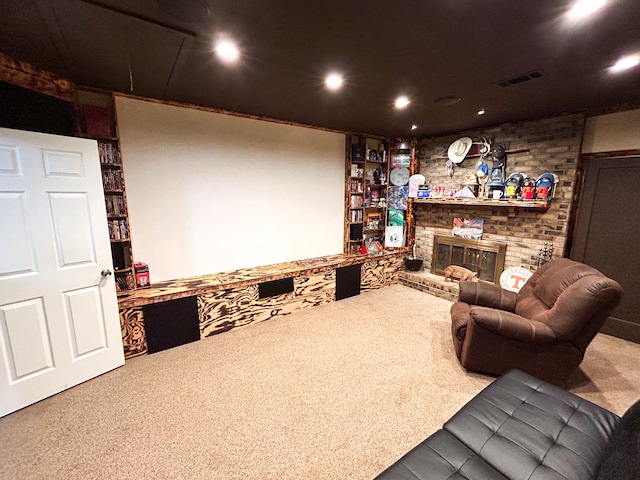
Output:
[[171, 323], [275, 287], [348, 281], [355, 231]]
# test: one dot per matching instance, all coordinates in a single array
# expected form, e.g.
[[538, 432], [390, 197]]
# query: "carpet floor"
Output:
[[338, 391]]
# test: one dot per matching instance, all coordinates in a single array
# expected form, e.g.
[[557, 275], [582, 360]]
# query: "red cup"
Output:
[[543, 192]]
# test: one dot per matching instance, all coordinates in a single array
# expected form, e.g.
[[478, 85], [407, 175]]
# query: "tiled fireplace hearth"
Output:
[[484, 257], [429, 283]]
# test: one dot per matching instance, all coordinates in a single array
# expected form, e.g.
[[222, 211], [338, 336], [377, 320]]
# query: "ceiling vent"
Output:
[[524, 77]]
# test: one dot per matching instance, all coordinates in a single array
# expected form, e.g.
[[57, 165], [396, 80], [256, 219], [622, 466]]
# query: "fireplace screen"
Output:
[[484, 257]]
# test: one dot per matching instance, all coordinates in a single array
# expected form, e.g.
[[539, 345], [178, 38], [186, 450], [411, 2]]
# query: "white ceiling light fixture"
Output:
[[625, 63], [334, 81], [584, 8], [401, 102], [414, 127], [481, 111], [227, 50]]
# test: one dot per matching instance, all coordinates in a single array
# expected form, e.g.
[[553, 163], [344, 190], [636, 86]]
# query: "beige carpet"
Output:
[[333, 392]]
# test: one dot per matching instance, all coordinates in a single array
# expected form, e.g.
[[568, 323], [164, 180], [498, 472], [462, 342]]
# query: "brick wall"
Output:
[[553, 145]]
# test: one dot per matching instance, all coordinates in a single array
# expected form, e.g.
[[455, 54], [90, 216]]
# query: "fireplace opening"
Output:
[[484, 257]]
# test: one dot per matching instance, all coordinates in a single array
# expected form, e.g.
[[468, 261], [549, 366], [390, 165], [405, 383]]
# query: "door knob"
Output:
[[106, 272]]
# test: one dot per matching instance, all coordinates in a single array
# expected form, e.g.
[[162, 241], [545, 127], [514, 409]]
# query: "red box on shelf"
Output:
[[97, 121], [143, 280]]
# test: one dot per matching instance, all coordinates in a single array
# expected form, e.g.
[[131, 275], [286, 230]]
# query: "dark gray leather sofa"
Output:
[[523, 428]]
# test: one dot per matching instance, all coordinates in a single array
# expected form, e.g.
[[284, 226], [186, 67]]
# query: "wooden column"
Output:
[[414, 167]]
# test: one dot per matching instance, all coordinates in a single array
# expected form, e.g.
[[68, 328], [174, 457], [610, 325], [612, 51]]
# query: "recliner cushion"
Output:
[[512, 326], [561, 274], [586, 301], [459, 320]]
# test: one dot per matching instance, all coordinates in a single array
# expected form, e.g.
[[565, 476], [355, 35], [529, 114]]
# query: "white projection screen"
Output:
[[209, 192]]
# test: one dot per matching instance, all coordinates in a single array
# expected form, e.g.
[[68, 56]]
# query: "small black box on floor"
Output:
[[348, 281], [171, 323]]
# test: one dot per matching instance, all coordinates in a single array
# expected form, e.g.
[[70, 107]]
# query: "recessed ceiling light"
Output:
[[227, 50], [334, 81], [414, 127], [626, 63], [582, 8], [402, 101], [482, 111]]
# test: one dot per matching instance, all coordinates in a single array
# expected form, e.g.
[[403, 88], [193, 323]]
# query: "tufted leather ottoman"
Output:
[[519, 428]]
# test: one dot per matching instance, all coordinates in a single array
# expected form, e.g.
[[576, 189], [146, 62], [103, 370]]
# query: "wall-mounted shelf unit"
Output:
[[98, 121], [367, 169]]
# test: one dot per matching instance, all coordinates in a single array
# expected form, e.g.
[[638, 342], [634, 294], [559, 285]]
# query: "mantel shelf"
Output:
[[509, 203]]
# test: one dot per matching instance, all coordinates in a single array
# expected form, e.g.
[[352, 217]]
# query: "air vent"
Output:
[[524, 77]]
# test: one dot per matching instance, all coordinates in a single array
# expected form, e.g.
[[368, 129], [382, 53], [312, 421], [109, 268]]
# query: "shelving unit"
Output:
[[97, 121], [116, 204], [401, 166], [366, 212]]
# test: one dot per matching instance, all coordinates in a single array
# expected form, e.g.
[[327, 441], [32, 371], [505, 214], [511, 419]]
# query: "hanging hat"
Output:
[[459, 149]]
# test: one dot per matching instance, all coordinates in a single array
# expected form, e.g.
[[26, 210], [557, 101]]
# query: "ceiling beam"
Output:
[[26, 75]]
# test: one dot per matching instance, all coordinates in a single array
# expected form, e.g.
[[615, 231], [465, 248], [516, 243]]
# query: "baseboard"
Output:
[[622, 329]]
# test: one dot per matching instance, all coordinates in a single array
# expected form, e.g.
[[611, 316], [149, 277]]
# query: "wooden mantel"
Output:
[[512, 204]]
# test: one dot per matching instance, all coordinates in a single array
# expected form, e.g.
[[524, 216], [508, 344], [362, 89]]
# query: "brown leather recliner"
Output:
[[544, 329]]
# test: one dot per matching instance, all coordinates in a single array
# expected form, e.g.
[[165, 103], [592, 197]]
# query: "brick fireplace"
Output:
[[548, 145]]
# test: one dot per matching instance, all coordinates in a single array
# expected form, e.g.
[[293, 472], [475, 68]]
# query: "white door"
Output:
[[59, 323]]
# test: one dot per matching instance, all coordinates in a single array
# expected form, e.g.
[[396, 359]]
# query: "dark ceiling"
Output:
[[425, 49]]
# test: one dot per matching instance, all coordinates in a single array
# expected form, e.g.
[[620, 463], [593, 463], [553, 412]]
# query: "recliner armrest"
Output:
[[511, 325], [487, 295]]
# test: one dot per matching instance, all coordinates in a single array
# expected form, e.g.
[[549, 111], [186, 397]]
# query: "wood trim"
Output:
[[590, 168], [347, 196], [227, 112], [613, 154], [414, 168], [583, 159], [622, 329], [26, 75]]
